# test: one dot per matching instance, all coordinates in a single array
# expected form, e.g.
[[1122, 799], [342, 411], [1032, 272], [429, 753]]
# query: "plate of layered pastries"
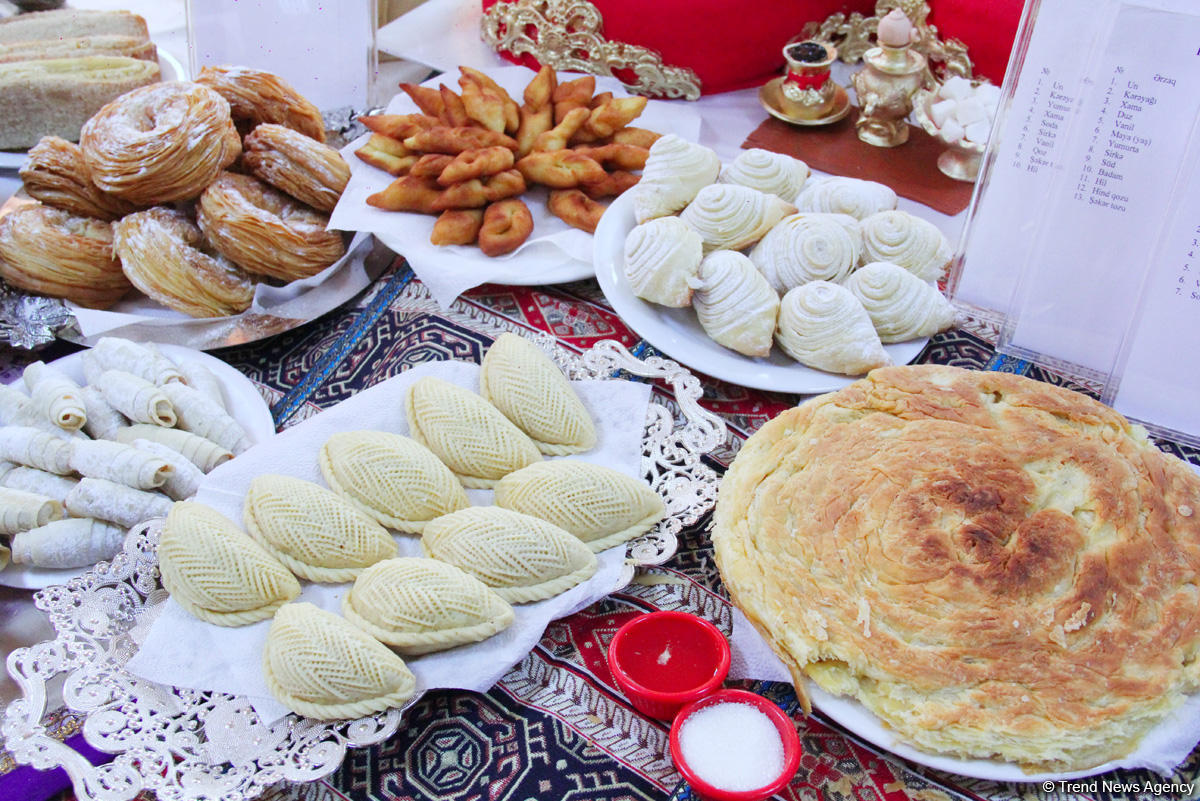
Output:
[[99, 441], [420, 534], [147, 233], [760, 274], [1008, 593]]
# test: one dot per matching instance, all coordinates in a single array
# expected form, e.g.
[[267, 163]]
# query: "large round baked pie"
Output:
[[994, 566]]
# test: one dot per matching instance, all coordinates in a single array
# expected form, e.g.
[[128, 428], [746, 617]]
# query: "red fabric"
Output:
[[987, 29]]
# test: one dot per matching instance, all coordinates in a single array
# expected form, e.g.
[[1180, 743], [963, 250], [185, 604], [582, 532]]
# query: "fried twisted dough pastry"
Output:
[[57, 253], [572, 95], [477, 192], [454, 111], [557, 137], [616, 156], [506, 225], [428, 100], [311, 172], [611, 185], [457, 227], [431, 165], [260, 96], [165, 256], [388, 154], [266, 232], [560, 169], [408, 193], [537, 113], [476, 164], [160, 143], [607, 119], [576, 209], [398, 126], [57, 175], [487, 102], [456, 140]]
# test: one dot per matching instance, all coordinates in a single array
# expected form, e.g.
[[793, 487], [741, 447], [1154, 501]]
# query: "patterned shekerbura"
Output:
[[394, 479], [900, 305], [994, 566], [520, 380], [422, 605], [822, 325], [915, 244], [313, 531], [521, 557], [775, 173], [732, 216], [676, 170], [467, 433], [841, 195], [597, 504], [319, 665], [808, 247], [216, 572]]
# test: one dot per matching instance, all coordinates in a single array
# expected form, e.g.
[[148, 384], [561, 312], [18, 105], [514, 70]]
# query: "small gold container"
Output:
[[805, 94]]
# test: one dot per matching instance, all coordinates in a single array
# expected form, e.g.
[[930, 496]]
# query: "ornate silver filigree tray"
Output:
[[190, 745]]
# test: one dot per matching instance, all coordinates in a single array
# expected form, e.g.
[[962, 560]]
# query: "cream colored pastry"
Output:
[[806, 247], [314, 532], [103, 421], [216, 572], [899, 237], [395, 480], [30, 479], [600, 506], [136, 398], [467, 433], [203, 453], [74, 542], [33, 447], [203, 380], [320, 666], [675, 171], [734, 303], [852, 196], [418, 606], [116, 461], [732, 217], [900, 305], [21, 511], [522, 558], [184, 479], [204, 417], [520, 380], [661, 257], [114, 353], [116, 503], [55, 396], [822, 325], [774, 173]]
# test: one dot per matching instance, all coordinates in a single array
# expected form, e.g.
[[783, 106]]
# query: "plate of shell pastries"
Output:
[[147, 217], [757, 273], [99, 441]]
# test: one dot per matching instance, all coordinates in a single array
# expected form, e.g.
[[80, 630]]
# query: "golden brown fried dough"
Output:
[[456, 140], [491, 88], [634, 136], [573, 94], [614, 115], [540, 91], [398, 126], [560, 169], [533, 124], [457, 227], [430, 165], [476, 164], [482, 104], [477, 193], [454, 113], [600, 99], [428, 100], [616, 156], [611, 185], [557, 137], [386, 153], [506, 226], [408, 193], [576, 209]]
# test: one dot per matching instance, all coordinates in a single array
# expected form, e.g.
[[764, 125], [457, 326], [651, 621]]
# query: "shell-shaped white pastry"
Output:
[[55, 396], [21, 510], [395, 480], [114, 353], [74, 542], [734, 303], [901, 238], [823, 325], [467, 433], [675, 171], [732, 217], [33, 447], [522, 558], [840, 195], [116, 503], [418, 606], [597, 504], [116, 461], [204, 453], [319, 665], [528, 388], [774, 173], [313, 531], [204, 417], [136, 398], [806, 247], [660, 257], [216, 572], [900, 305]]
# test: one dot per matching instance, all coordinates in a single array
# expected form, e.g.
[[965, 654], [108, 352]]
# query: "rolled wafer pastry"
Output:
[[200, 415], [37, 481], [136, 398], [5, 556], [33, 447], [75, 542], [203, 380], [14, 406], [185, 479], [114, 353], [116, 503], [204, 453], [102, 419], [116, 461], [21, 511], [55, 396]]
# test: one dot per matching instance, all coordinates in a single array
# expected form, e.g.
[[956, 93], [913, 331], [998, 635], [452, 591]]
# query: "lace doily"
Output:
[[187, 745]]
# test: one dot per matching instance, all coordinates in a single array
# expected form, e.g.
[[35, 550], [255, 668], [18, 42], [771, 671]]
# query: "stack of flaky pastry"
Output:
[[164, 194], [469, 157]]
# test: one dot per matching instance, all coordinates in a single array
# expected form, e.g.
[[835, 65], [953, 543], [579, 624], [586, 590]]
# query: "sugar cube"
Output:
[[956, 88], [941, 111], [977, 132], [970, 111], [951, 132]]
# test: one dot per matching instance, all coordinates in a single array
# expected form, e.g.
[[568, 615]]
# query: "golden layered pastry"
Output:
[[64, 255], [994, 566], [264, 231], [256, 96], [160, 143], [312, 172], [57, 175]]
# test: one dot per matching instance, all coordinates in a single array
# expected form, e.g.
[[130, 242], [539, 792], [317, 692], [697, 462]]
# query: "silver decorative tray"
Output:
[[190, 745]]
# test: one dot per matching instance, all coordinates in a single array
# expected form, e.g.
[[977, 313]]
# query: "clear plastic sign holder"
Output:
[[1083, 237]]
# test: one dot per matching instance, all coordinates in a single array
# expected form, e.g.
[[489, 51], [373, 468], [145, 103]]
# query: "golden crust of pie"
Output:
[[994, 566]]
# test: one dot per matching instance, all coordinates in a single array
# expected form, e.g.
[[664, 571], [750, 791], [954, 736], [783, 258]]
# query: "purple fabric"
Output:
[[26, 783]]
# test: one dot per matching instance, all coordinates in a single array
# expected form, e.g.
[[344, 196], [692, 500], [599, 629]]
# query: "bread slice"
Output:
[[109, 44], [54, 97], [70, 23]]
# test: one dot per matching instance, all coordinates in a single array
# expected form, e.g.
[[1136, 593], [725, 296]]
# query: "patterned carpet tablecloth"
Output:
[[556, 726]]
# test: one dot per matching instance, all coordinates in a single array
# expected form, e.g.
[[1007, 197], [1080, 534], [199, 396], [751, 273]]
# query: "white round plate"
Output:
[[171, 70], [242, 399], [677, 332], [511, 273]]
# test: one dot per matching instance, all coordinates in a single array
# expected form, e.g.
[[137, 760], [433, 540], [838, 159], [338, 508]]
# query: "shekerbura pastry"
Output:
[[774, 173], [661, 258], [904, 239], [900, 305], [675, 171], [734, 303], [808, 247], [823, 325], [840, 195], [732, 217]]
